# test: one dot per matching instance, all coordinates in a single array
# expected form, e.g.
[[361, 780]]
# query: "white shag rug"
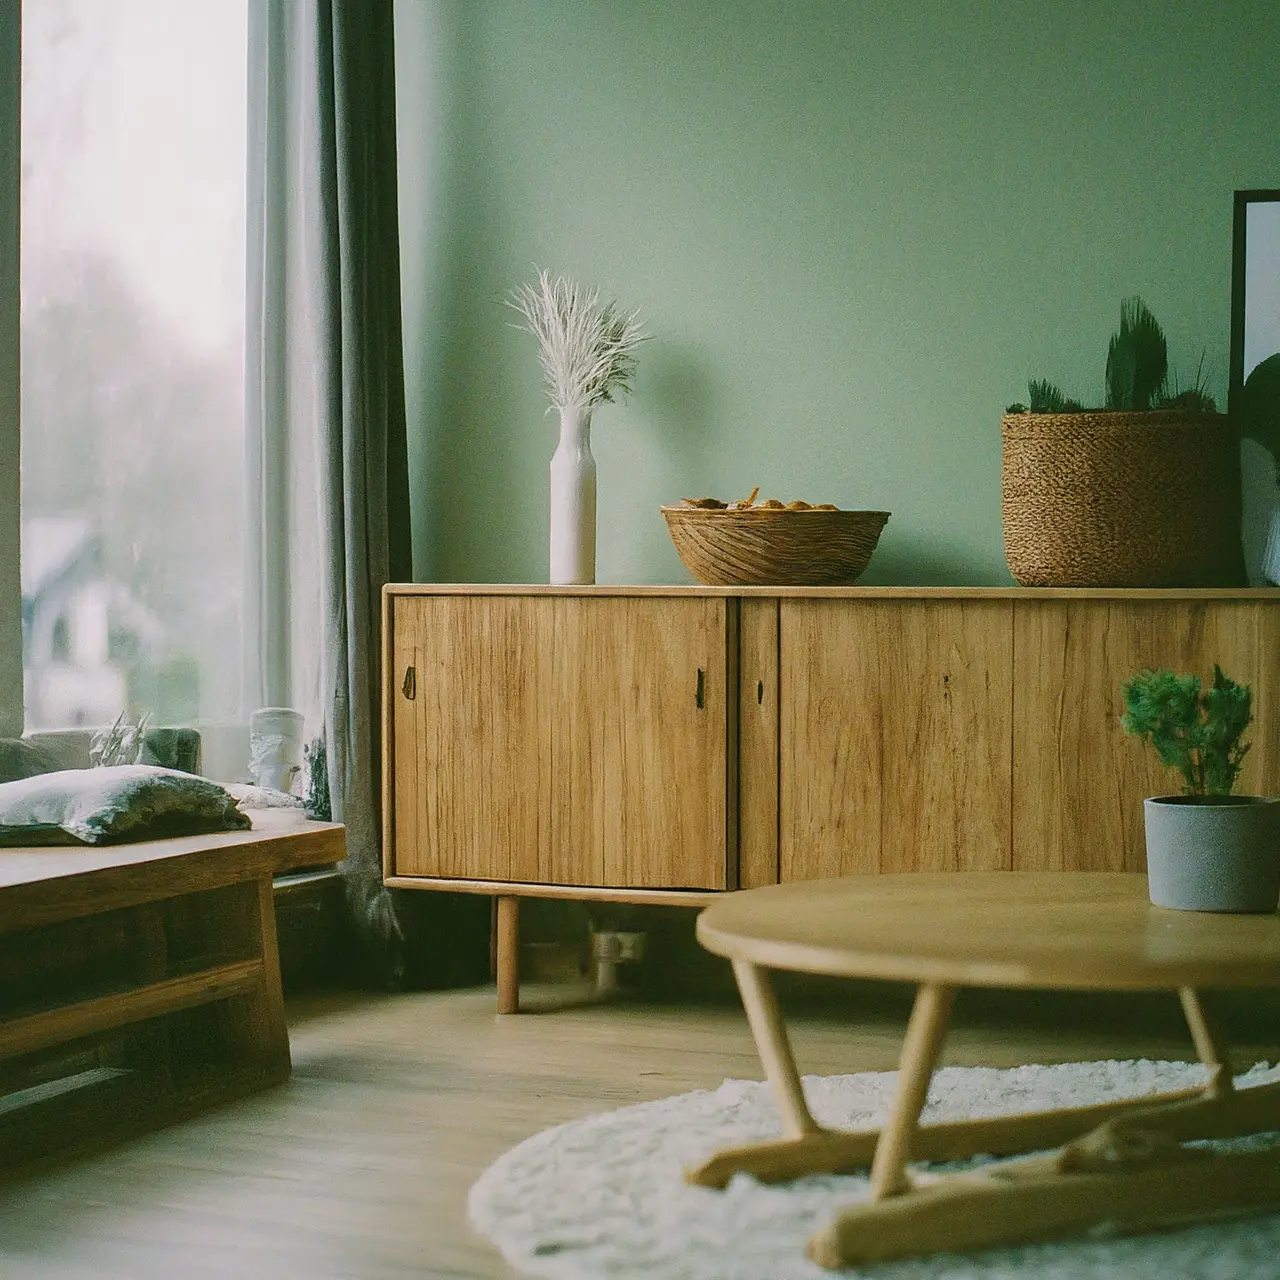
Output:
[[603, 1198]]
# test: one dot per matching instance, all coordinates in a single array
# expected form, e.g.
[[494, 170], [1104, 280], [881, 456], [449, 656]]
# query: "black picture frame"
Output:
[[1239, 251]]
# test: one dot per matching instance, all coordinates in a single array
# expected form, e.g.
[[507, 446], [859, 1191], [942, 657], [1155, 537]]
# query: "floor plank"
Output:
[[358, 1168]]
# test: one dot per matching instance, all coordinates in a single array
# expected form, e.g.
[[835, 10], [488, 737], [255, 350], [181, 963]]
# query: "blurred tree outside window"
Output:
[[132, 329]]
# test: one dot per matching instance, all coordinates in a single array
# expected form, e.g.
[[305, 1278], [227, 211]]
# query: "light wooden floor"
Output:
[[359, 1167]]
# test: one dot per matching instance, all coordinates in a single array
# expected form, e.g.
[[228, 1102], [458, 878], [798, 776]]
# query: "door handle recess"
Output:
[[699, 696], [410, 684]]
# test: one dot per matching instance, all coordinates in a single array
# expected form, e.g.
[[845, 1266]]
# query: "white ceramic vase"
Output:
[[573, 501]]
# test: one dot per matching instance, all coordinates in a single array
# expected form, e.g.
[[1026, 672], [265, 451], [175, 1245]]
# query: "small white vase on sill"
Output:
[[573, 501]]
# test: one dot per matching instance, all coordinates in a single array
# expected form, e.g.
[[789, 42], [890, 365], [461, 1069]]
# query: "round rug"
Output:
[[604, 1196]]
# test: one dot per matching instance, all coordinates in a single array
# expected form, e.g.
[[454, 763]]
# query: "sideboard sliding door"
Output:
[[895, 736], [1079, 779], [569, 740]]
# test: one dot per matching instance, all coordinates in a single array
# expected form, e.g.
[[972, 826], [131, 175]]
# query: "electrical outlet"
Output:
[[630, 946]]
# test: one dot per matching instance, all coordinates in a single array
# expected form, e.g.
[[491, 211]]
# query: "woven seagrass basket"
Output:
[[1121, 499], [757, 546]]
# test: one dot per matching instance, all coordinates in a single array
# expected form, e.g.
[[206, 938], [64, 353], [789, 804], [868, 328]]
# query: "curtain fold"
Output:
[[326, 397]]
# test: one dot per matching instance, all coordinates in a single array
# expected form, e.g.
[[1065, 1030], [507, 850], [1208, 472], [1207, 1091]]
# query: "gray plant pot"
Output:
[[1221, 854]]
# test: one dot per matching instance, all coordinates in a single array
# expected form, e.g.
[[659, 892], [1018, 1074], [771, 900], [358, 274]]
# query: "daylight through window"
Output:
[[133, 252]]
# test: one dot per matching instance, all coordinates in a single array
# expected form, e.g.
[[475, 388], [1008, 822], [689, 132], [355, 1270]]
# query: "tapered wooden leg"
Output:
[[1210, 1046], [508, 954], [1089, 1137], [774, 1047], [925, 1033]]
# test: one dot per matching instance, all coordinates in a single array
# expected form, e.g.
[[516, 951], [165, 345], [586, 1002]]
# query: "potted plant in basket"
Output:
[[1141, 492], [1207, 850]]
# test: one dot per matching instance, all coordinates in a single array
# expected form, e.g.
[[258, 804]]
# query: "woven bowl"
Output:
[[772, 546]]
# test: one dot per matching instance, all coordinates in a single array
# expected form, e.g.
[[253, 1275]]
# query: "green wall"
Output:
[[855, 230]]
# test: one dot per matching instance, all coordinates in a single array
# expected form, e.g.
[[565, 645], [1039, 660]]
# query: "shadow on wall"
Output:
[[904, 557], [462, 419], [681, 402], [666, 450]]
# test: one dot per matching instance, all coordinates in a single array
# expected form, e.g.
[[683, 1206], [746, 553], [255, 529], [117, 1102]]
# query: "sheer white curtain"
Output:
[[326, 418], [284, 391]]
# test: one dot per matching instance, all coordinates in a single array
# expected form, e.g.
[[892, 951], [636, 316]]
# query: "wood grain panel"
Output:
[[386, 729], [472, 745], [895, 736], [638, 786], [403, 621], [567, 892], [45, 885], [758, 744], [68, 1022], [1079, 780]]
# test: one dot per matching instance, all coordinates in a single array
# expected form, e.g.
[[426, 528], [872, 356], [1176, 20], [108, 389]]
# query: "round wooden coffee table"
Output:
[[1122, 1163]]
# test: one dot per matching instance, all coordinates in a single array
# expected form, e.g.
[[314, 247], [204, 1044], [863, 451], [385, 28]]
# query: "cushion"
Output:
[[113, 805], [22, 759], [249, 796], [171, 748]]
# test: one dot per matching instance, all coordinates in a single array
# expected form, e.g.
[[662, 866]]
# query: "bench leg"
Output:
[[257, 1025]]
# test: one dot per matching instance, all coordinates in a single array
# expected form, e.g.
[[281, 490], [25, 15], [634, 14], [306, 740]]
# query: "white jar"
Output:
[[275, 746]]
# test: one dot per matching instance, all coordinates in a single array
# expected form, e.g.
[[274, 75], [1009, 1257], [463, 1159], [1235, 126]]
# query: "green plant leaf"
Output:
[[1227, 714], [1137, 359], [1044, 397], [1161, 709], [1198, 733]]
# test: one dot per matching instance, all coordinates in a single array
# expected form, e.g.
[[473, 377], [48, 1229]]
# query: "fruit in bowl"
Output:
[[772, 543]]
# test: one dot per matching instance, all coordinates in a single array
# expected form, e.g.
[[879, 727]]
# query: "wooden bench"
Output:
[[140, 983]]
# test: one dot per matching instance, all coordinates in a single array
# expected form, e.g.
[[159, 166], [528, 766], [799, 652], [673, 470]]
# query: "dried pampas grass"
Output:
[[588, 349]]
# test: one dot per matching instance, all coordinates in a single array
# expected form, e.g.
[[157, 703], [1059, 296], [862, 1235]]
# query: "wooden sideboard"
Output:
[[664, 744]]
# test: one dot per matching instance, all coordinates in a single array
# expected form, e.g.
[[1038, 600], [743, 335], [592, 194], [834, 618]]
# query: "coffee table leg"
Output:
[[774, 1047], [920, 1050], [1130, 1171], [1215, 1110], [1210, 1046]]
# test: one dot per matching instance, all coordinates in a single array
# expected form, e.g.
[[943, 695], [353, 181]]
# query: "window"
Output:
[[132, 377]]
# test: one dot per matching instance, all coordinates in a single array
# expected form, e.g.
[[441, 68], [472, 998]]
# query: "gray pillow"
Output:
[[22, 759], [112, 805]]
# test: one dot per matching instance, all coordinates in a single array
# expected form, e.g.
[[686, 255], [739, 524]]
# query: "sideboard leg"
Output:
[[508, 957]]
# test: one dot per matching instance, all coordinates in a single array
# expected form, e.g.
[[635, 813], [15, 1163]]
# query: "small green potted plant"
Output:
[[1207, 849]]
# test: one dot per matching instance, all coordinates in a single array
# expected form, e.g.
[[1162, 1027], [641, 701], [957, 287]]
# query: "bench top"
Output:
[[42, 885]]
